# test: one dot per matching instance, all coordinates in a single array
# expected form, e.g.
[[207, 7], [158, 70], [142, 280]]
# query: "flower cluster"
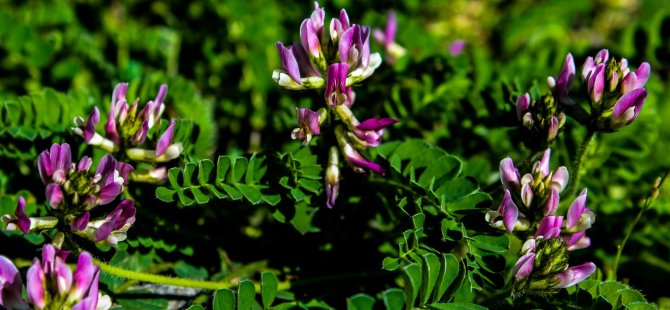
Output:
[[542, 120], [305, 63], [543, 267], [334, 62], [51, 284], [616, 93], [73, 192], [530, 202], [127, 130]]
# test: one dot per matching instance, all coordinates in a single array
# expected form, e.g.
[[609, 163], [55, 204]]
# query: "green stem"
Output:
[[173, 281], [647, 204], [579, 159]]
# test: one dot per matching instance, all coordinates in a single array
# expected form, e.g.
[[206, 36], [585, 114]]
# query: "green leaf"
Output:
[[246, 295], [394, 299], [302, 219], [457, 306], [142, 303], [195, 307], [431, 269], [629, 296], [449, 269], [240, 166], [495, 244], [186, 270], [250, 192], [390, 263], [205, 168], [224, 299], [269, 284], [165, 194], [360, 302], [412, 278]]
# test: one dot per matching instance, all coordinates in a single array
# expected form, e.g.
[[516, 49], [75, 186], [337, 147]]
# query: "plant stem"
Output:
[[173, 281], [579, 159], [647, 204]]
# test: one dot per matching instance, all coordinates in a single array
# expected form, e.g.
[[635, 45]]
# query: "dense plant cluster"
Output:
[[180, 155]]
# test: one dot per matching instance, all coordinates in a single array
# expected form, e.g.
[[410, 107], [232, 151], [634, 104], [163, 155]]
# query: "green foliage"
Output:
[[611, 294], [233, 177], [225, 299], [41, 115], [443, 196]]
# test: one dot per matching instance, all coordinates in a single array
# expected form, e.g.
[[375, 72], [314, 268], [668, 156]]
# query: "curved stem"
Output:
[[172, 281], [579, 159], [647, 204]]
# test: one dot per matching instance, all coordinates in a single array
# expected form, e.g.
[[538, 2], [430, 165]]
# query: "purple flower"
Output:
[[101, 188], [509, 175], [580, 218], [371, 130], [507, 215], [560, 179], [308, 125], [552, 202], [127, 128], [387, 38], [522, 107], [303, 64], [296, 65], [311, 32], [339, 26], [577, 241], [336, 88], [113, 227], [621, 102], [628, 107], [456, 47], [54, 164], [10, 285], [359, 163], [82, 191], [561, 86], [51, 281], [22, 220], [524, 266], [550, 227], [574, 275]]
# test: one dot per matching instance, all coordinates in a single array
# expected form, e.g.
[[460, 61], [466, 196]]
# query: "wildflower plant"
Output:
[[229, 192], [335, 61]]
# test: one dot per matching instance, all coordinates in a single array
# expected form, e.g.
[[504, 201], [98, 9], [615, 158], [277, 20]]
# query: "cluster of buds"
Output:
[[344, 59], [51, 284], [541, 120], [530, 202], [73, 192], [616, 93], [127, 130], [386, 38], [543, 266]]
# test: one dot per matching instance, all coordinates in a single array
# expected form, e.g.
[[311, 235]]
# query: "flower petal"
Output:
[[524, 266], [574, 275], [22, 219], [165, 139], [576, 209], [35, 282], [10, 284], [509, 211]]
